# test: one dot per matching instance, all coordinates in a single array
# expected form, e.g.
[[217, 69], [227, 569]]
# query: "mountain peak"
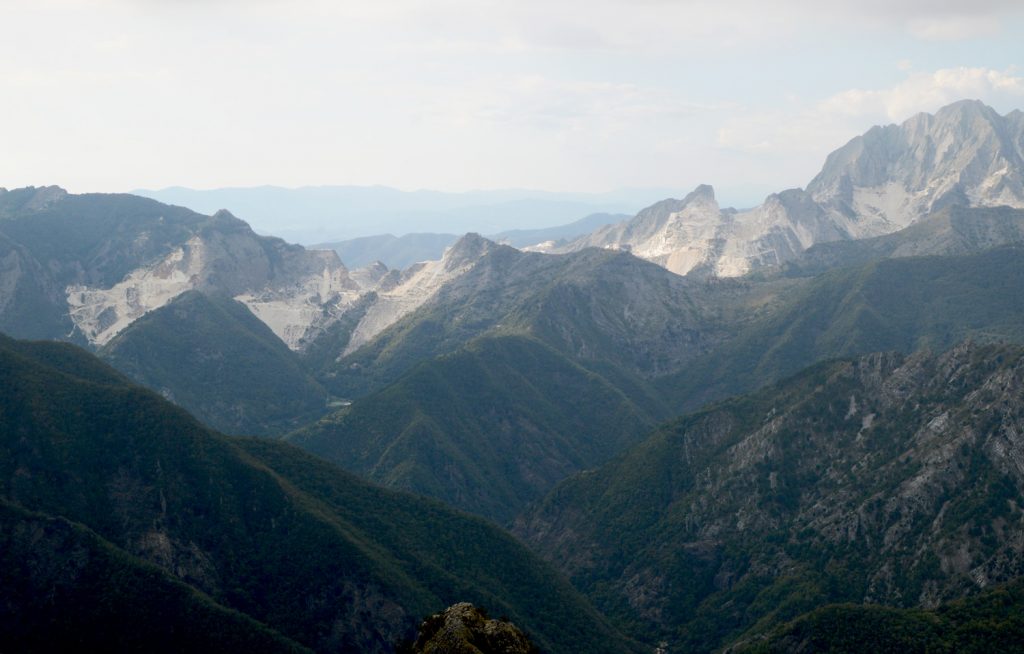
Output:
[[703, 192], [463, 627], [467, 250], [226, 220], [888, 178], [31, 198], [971, 118], [965, 106]]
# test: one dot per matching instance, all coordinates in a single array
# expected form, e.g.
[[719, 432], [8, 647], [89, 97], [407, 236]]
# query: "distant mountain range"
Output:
[[87, 268], [132, 256], [402, 251], [966, 154], [333, 213], [822, 413]]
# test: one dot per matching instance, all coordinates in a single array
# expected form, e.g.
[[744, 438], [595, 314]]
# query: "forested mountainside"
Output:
[[886, 478], [596, 305], [110, 486], [992, 621], [845, 359], [902, 304], [212, 356], [487, 429]]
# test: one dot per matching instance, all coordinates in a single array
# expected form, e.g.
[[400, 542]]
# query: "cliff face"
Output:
[[86, 267], [695, 235], [965, 154], [294, 291]]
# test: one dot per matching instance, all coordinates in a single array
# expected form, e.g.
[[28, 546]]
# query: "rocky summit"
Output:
[[465, 629], [966, 154]]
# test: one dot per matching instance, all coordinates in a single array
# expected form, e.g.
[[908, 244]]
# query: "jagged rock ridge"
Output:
[[878, 183], [291, 289], [404, 292], [97, 263]]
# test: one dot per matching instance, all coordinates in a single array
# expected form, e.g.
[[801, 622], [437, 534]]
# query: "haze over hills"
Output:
[[549, 237], [395, 252], [488, 373], [300, 293], [402, 251], [334, 213]]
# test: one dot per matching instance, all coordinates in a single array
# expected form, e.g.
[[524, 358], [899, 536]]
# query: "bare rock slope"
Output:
[[965, 154]]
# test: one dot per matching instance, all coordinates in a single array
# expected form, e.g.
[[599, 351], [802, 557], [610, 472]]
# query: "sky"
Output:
[[559, 95]]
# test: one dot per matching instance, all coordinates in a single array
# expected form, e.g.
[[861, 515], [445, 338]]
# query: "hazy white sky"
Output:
[[584, 95]]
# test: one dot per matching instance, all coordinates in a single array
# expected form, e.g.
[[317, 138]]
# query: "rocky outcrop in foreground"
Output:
[[465, 629]]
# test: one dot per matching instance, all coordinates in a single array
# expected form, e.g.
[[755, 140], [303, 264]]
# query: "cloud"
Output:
[[654, 26], [665, 25], [927, 92], [803, 132], [554, 93]]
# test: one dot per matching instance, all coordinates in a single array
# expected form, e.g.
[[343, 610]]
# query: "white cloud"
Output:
[[458, 93], [799, 135], [927, 92]]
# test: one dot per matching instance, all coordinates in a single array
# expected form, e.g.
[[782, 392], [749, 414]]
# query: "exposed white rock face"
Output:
[[543, 246], [696, 234], [369, 277], [298, 293], [404, 294], [886, 179], [876, 184], [293, 290], [100, 314], [297, 306]]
